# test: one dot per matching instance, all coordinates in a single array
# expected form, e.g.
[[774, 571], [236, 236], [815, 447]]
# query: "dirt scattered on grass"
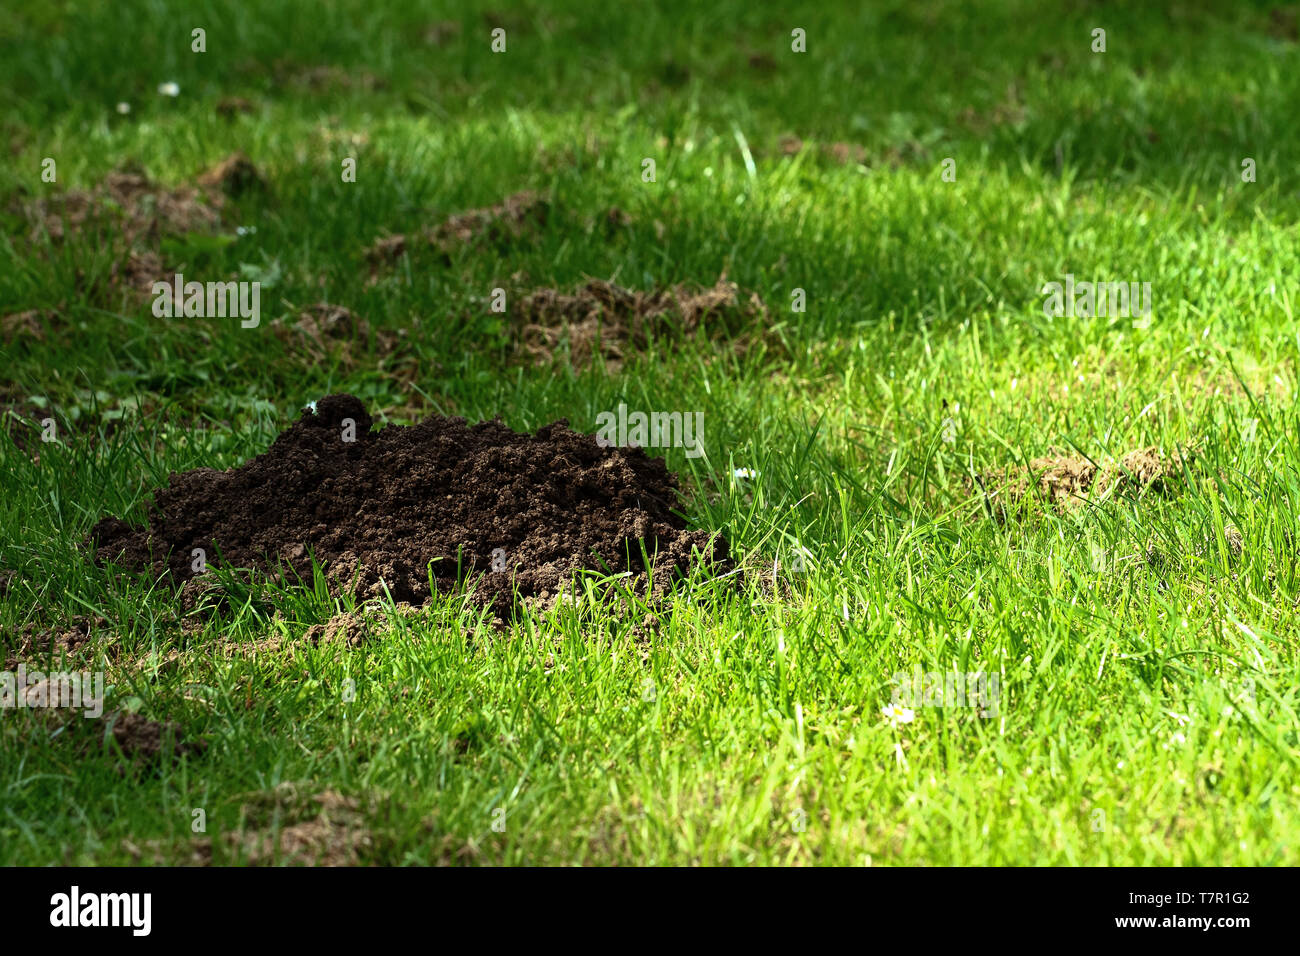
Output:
[[855, 154], [790, 145], [326, 829], [349, 629], [442, 32], [383, 252], [228, 107], [139, 271], [614, 220], [326, 330], [846, 153], [571, 154], [898, 156], [507, 221], [1009, 111], [234, 176], [1065, 481], [135, 214], [1146, 469], [141, 740], [1283, 24], [606, 320], [35, 644], [150, 740], [195, 853], [144, 210], [378, 510], [336, 836], [29, 325], [324, 77]]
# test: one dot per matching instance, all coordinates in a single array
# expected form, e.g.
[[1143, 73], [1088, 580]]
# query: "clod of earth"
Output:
[[390, 510]]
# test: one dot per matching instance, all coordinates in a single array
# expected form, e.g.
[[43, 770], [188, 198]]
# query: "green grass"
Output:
[[1147, 670]]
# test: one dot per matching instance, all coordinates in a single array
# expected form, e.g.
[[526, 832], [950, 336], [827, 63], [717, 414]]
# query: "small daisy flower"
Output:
[[897, 714], [124, 108], [169, 89], [740, 473]]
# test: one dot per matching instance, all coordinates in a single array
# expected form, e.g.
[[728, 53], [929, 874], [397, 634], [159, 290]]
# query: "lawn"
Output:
[[919, 471]]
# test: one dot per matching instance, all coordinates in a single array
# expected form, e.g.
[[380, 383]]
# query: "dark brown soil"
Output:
[[378, 510]]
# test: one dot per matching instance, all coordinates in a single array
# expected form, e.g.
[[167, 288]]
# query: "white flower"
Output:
[[124, 108], [897, 714], [744, 473], [169, 89], [246, 231]]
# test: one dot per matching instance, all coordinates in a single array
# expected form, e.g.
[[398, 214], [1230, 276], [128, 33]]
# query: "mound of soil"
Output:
[[391, 507]]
